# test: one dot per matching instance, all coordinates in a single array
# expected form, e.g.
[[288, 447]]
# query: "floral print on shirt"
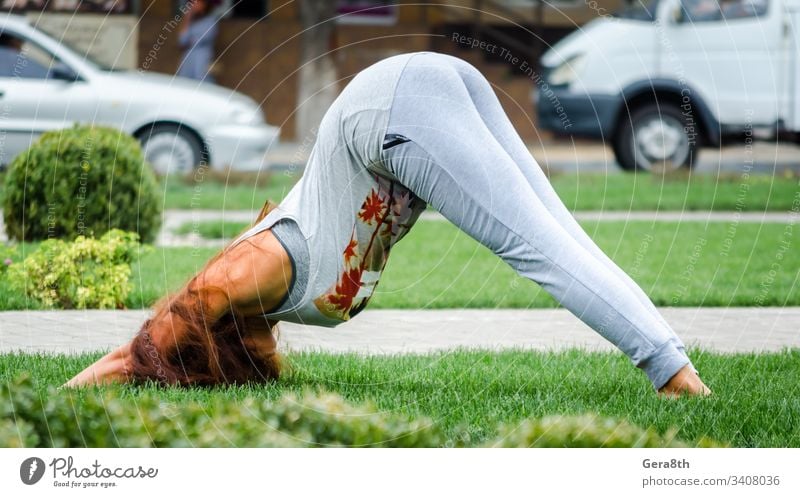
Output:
[[386, 215]]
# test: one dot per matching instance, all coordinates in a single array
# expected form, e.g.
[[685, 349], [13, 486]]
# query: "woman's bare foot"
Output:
[[685, 381]]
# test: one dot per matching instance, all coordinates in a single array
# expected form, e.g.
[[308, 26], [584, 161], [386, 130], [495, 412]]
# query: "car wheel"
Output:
[[656, 138], [171, 149]]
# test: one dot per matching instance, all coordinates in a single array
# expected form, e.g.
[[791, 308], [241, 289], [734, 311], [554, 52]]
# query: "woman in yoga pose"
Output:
[[411, 130]]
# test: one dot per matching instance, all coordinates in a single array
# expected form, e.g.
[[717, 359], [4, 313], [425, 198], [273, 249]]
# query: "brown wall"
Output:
[[260, 57], [559, 15]]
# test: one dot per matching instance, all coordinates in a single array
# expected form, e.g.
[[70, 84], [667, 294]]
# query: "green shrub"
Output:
[[17, 434], [81, 181], [7, 254], [587, 430], [88, 417], [112, 417], [86, 273]]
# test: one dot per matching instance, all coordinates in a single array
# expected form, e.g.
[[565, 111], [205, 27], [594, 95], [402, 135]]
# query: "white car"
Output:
[[44, 85], [665, 77]]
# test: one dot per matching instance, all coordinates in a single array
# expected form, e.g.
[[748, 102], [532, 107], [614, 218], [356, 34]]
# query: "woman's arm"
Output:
[[249, 279], [110, 368], [163, 329]]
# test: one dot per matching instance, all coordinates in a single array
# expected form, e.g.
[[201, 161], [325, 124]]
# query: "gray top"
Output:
[[290, 236], [348, 207]]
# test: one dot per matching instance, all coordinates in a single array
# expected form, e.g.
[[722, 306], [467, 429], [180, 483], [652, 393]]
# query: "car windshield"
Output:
[[639, 10]]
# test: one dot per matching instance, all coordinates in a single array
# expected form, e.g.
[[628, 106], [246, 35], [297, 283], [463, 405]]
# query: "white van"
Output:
[[662, 78]]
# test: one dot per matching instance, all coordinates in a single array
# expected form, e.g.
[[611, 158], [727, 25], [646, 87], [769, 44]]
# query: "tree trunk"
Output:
[[317, 75]]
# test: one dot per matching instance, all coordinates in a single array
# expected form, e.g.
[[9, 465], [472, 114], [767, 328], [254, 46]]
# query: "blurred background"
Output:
[[590, 85], [262, 44]]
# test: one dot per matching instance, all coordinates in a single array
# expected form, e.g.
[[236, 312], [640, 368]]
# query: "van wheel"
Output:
[[656, 138], [171, 149]]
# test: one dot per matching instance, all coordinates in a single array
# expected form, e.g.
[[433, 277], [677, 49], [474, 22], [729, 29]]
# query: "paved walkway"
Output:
[[399, 331]]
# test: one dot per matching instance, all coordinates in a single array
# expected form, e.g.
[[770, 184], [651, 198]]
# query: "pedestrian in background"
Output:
[[196, 36]]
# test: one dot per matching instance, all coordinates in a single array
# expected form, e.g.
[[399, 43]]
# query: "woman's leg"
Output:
[[500, 127], [455, 164]]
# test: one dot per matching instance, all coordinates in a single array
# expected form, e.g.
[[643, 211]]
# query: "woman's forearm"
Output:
[[113, 367]]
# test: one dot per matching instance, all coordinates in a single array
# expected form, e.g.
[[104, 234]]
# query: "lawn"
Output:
[[586, 191], [756, 402], [438, 266], [218, 191], [213, 230], [676, 263], [677, 192], [614, 192]]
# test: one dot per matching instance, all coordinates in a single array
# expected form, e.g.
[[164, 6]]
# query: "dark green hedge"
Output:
[[81, 181], [87, 417]]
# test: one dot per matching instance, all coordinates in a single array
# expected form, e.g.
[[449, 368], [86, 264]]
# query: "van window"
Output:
[[639, 10], [713, 10]]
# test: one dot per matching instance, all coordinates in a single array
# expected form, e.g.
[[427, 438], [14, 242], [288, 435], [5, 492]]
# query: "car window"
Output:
[[739, 9], [722, 10], [19, 58], [639, 10]]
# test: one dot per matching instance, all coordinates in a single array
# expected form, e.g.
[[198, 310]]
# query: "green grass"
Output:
[[584, 191], [578, 192], [624, 192], [756, 401], [683, 264], [677, 192], [633, 192], [438, 266], [679, 264], [213, 230], [218, 191]]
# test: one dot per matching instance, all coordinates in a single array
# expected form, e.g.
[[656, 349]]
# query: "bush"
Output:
[[88, 417], [91, 417], [587, 430], [7, 254], [81, 181], [87, 273]]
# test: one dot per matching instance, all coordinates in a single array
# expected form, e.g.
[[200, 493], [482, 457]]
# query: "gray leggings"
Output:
[[466, 160]]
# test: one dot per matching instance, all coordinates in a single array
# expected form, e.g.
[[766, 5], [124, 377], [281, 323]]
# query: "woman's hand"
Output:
[[684, 381], [113, 367]]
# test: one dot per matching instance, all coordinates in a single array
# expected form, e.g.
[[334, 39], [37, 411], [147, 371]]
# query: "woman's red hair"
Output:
[[200, 349]]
